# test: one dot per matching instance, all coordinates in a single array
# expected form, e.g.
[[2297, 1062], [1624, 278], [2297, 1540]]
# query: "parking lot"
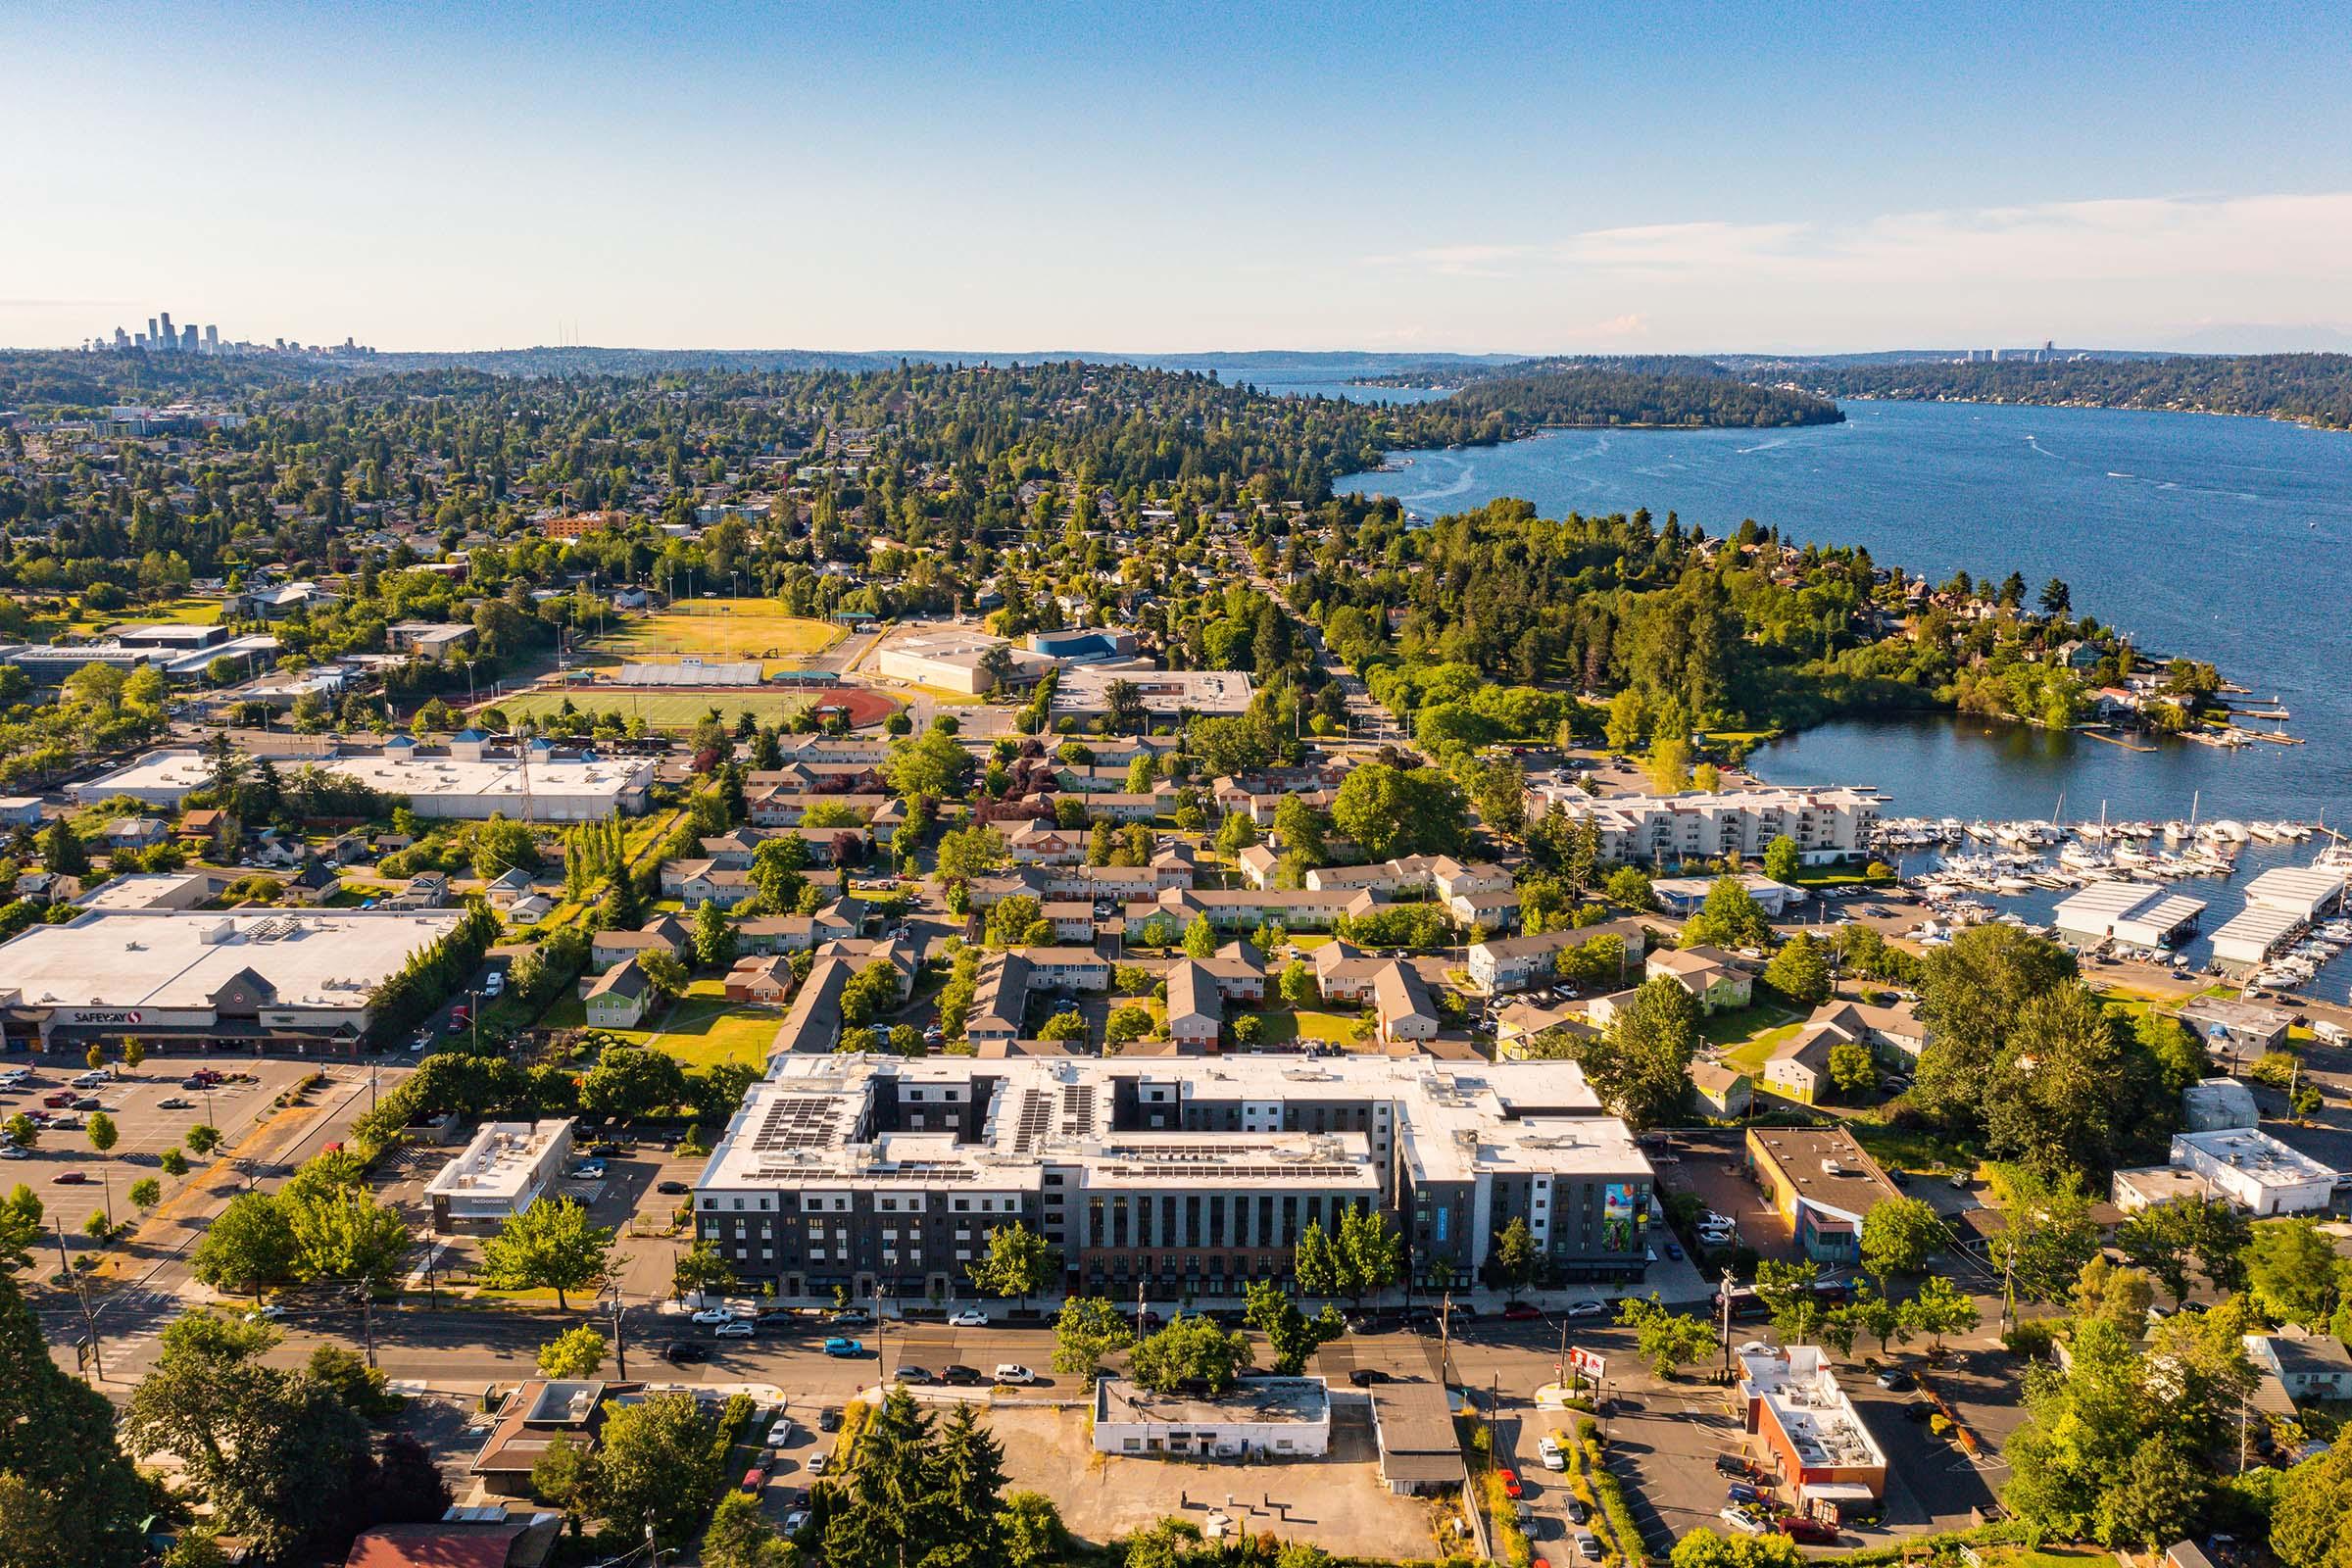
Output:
[[1713, 1173], [147, 1126], [629, 1199]]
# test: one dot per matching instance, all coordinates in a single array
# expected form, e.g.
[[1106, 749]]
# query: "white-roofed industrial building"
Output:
[[467, 779], [242, 979], [508, 1167]]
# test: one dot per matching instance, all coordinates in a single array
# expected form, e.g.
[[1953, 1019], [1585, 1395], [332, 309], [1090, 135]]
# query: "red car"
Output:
[[1510, 1482], [1812, 1531], [1522, 1312], [755, 1478], [59, 1101]]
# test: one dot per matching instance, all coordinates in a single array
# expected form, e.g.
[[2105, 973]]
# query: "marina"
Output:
[[2143, 891]]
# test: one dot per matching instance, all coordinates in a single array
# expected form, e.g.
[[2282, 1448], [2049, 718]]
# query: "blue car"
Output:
[[842, 1347], [1739, 1491], [1674, 1249]]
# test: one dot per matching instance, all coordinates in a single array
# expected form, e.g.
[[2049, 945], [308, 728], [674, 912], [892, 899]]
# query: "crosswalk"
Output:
[[129, 1322]]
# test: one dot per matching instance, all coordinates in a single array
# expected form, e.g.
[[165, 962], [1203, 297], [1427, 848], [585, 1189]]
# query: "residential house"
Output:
[[764, 981], [1720, 1091], [1073, 920], [2308, 1365], [698, 882], [1513, 964], [664, 933], [1196, 1006], [1401, 997], [618, 998], [1036, 843], [1345, 973], [1715, 977], [1257, 863]]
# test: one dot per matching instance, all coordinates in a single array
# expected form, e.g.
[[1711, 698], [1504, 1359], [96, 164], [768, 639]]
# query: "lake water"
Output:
[[2227, 539]]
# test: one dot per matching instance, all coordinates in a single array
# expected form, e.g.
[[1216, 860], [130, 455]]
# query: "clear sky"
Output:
[[1131, 178]]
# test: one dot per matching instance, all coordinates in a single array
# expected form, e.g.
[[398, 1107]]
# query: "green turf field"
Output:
[[665, 709], [719, 629]]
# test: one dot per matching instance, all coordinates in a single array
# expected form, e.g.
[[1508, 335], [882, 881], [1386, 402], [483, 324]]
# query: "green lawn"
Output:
[[1909, 1148], [720, 628], [1280, 1026], [662, 709], [702, 1028], [177, 611], [1750, 1054], [1748, 1035]]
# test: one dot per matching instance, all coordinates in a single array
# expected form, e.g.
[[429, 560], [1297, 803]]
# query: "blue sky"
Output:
[[1181, 178]]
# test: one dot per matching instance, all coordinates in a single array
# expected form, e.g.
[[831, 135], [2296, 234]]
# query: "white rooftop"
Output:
[[2302, 890], [1798, 1385], [173, 958], [1082, 688], [500, 1163], [178, 773], [2260, 1158]]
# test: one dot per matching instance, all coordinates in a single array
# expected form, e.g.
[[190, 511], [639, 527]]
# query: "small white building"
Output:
[[2256, 1171], [1270, 1417], [508, 1167], [2217, 1106]]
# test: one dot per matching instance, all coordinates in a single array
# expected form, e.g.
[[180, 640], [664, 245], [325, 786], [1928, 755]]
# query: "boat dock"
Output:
[[2101, 732]]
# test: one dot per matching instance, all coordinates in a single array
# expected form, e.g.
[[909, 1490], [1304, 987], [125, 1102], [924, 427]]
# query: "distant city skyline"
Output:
[[1503, 178]]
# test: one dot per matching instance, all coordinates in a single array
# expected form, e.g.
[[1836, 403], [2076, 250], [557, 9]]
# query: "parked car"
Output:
[[1577, 1513], [827, 1420], [90, 1103], [819, 1463], [672, 1189], [1548, 1453], [1587, 1309], [195, 1083], [1588, 1546], [1741, 1492], [1363, 1377], [736, 1328], [970, 1317], [589, 1170], [914, 1375], [1739, 1519], [174, 1102], [1810, 1532], [678, 1352], [1522, 1312], [1895, 1379], [756, 1479], [795, 1519], [265, 1312], [1674, 1249], [1510, 1482], [1014, 1372], [961, 1376], [74, 1178], [837, 1346], [851, 1317], [1731, 1464], [781, 1432], [714, 1314]]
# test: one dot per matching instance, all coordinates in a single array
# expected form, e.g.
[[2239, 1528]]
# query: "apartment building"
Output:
[[1661, 829], [1181, 1175], [1513, 964]]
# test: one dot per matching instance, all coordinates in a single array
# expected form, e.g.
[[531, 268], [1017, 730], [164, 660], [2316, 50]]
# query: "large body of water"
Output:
[[2227, 539]]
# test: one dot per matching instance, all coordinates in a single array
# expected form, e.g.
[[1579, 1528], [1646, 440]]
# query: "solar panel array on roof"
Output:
[[1036, 1120], [802, 1122], [1078, 1109]]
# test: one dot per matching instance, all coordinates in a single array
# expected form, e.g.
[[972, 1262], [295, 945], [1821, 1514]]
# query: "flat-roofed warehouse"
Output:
[[467, 779], [1082, 691], [242, 980]]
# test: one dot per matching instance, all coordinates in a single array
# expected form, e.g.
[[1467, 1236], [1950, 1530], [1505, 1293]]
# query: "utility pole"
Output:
[[367, 1320], [621, 1335], [1726, 1321], [81, 1289]]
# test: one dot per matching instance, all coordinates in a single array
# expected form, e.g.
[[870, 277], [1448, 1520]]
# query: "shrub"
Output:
[[2030, 1337]]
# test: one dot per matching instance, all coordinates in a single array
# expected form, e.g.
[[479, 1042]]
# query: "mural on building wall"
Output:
[[1621, 1217]]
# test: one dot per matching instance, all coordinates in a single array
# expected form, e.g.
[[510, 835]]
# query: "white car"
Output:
[[971, 1317], [1014, 1372], [714, 1314], [781, 1432], [1548, 1452], [795, 1519], [735, 1328], [818, 1463], [1739, 1519], [267, 1310], [1712, 1221]]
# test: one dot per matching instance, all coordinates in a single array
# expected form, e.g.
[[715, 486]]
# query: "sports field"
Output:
[[675, 709], [719, 629]]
